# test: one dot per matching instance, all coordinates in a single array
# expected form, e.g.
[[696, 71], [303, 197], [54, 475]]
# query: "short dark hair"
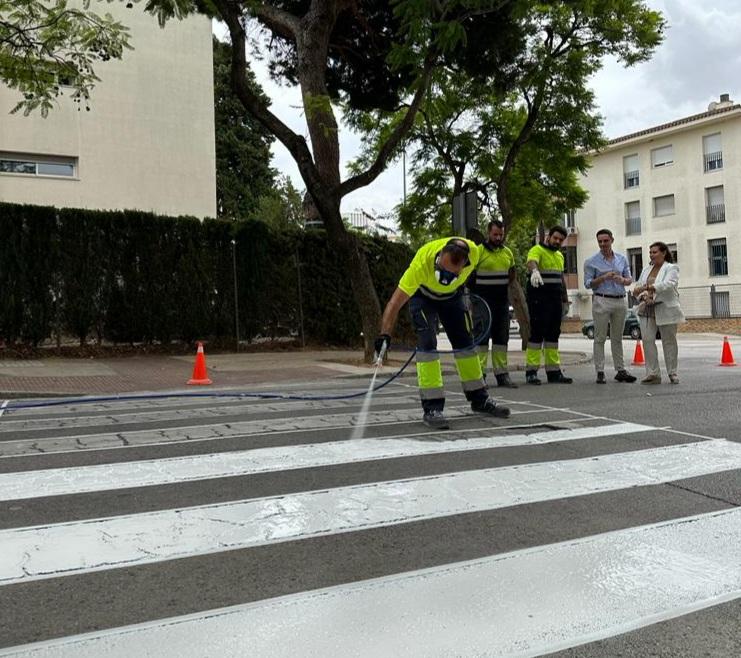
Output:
[[495, 222], [604, 231], [557, 229], [665, 250], [458, 249]]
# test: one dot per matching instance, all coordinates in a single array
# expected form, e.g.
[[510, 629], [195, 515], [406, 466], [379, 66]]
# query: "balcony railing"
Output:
[[716, 214], [712, 161], [632, 226], [630, 179]]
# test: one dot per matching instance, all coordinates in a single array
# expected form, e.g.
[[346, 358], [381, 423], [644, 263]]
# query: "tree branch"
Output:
[[369, 175], [277, 20], [295, 143]]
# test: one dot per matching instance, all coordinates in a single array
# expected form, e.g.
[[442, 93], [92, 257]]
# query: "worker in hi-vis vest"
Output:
[[433, 285], [546, 301], [490, 281]]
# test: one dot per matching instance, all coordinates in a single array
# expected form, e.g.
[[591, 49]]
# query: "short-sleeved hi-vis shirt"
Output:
[[550, 264], [420, 275], [492, 272]]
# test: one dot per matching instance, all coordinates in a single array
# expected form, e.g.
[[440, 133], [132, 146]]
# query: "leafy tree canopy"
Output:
[[46, 45], [243, 171], [521, 147]]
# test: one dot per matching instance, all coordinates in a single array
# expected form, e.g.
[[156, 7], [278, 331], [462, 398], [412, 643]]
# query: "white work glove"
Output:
[[536, 280], [565, 309]]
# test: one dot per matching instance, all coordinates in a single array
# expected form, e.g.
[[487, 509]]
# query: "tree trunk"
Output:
[[519, 304], [312, 44], [349, 249]]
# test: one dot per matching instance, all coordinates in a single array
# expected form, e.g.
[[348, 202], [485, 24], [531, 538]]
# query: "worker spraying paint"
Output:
[[433, 286]]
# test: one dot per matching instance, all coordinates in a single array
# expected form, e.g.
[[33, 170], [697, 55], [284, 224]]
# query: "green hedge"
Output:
[[132, 277]]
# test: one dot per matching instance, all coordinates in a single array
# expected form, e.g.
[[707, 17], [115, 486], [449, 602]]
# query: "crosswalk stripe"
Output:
[[212, 432], [77, 547], [523, 603], [160, 416], [64, 481], [82, 408]]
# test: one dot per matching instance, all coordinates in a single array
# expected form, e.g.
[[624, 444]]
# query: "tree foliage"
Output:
[[519, 140], [370, 55], [48, 45], [243, 171]]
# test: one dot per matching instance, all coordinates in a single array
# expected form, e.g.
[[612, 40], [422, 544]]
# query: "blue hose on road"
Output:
[[246, 394]]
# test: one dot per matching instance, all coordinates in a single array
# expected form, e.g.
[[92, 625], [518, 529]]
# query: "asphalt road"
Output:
[[596, 521]]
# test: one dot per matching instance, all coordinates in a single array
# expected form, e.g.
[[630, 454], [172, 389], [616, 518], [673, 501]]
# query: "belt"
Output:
[[601, 294]]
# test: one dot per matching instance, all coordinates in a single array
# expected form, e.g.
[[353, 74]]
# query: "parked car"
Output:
[[631, 328]]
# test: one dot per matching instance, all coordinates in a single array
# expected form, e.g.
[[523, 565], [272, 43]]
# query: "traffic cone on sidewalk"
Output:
[[726, 356], [200, 376], [638, 358]]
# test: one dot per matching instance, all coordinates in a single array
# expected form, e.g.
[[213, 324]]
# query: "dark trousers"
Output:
[[545, 318], [457, 323], [499, 332]]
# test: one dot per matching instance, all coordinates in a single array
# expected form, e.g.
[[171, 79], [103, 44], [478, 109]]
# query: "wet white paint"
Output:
[[523, 603], [70, 548], [3, 406], [104, 441], [64, 481]]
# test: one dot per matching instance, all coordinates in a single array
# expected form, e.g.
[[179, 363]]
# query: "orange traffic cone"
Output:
[[726, 356], [200, 376], [638, 358]]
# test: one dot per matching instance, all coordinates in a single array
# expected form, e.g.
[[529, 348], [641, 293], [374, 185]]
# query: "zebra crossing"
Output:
[[234, 527]]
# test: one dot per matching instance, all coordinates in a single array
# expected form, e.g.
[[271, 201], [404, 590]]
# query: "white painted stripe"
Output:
[[143, 403], [69, 548], [3, 406], [156, 437], [105, 477], [523, 603], [159, 416]]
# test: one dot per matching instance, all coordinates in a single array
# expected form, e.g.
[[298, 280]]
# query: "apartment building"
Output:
[[147, 142], [679, 183]]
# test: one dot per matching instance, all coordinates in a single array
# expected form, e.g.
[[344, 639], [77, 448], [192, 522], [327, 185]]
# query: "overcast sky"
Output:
[[694, 65]]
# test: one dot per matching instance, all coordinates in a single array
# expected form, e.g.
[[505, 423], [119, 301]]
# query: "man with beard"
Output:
[[546, 300], [494, 272], [433, 286]]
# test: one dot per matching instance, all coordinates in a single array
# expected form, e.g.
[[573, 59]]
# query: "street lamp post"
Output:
[[236, 292]]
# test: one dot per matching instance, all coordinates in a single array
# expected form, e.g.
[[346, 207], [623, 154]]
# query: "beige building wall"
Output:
[[687, 227], [147, 142]]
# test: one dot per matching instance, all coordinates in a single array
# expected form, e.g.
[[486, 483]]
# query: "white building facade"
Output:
[[147, 142], [678, 183]]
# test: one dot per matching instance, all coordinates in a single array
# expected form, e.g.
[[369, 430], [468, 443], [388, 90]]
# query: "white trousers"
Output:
[[608, 312], [668, 342]]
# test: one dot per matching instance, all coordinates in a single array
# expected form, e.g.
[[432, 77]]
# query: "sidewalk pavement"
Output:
[[244, 371]]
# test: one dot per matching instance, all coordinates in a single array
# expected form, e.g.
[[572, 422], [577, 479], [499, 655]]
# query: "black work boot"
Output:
[[435, 419], [557, 377], [625, 376], [531, 377], [601, 378], [503, 381], [490, 408]]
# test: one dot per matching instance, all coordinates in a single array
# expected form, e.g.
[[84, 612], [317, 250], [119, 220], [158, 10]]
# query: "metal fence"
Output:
[[713, 301]]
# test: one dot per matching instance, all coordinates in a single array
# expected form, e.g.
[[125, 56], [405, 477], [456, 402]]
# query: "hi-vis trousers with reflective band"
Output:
[[545, 330], [458, 326], [499, 336]]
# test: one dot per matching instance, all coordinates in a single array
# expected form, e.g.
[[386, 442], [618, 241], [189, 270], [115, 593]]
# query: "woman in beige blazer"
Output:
[[656, 290]]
